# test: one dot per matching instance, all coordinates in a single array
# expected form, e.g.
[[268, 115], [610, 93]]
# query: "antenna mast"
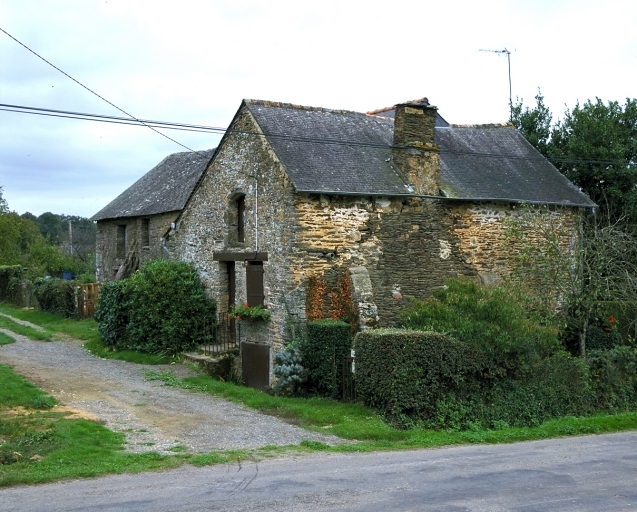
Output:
[[508, 54]]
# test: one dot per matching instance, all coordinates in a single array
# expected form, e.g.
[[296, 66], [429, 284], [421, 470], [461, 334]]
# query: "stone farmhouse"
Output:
[[297, 200], [131, 227]]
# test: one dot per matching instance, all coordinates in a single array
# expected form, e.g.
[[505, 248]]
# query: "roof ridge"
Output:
[[508, 124], [279, 104]]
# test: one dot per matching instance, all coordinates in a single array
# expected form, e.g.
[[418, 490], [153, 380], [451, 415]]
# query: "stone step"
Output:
[[218, 364]]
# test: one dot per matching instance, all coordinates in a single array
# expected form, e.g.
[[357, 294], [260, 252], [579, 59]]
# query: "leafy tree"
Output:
[[51, 227], [571, 279], [4, 207], [22, 243], [535, 123], [594, 146]]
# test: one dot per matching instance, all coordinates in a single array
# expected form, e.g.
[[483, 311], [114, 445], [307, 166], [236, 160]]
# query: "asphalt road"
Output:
[[591, 473]]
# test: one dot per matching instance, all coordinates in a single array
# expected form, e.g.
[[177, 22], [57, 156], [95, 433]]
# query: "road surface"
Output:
[[590, 473]]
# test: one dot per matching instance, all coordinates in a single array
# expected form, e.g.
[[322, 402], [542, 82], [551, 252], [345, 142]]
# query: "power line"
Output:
[[21, 109], [93, 92]]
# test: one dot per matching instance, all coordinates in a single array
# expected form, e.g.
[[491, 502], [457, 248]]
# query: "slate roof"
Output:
[[165, 188], [343, 152]]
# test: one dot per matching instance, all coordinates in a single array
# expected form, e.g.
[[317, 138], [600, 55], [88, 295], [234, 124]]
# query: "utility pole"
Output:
[[508, 54], [70, 238]]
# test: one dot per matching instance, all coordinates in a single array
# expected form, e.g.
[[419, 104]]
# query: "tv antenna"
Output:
[[508, 54]]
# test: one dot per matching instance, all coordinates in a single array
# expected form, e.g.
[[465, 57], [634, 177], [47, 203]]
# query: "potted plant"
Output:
[[245, 312]]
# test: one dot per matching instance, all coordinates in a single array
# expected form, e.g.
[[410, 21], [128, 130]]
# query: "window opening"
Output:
[[121, 241], [241, 206], [145, 232]]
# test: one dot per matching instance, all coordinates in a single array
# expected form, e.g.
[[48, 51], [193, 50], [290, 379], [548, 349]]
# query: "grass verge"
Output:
[[368, 432], [5, 339], [24, 330], [39, 444]]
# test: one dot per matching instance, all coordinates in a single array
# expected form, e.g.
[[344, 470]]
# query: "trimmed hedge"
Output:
[[55, 296], [327, 343], [162, 309], [403, 373], [112, 314], [10, 277], [427, 378]]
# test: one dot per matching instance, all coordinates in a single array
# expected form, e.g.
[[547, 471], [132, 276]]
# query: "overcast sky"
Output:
[[194, 61]]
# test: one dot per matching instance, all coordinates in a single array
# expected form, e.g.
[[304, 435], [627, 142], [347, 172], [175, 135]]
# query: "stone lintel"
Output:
[[240, 256]]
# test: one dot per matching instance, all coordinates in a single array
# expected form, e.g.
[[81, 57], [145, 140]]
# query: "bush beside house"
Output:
[[495, 366], [163, 308], [55, 296], [327, 343]]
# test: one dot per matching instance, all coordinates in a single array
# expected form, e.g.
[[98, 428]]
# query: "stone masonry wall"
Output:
[[244, 165], [411, 246], [485, 233], [107, 259]]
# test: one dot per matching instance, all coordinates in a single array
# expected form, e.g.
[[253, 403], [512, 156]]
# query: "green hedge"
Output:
[[327, 343], [427, 378], [10, 277], [112, 314], [55, 296], [403, 373], [162, 309]]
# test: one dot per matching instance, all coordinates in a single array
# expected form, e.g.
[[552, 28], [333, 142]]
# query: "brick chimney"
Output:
[[415, 155]]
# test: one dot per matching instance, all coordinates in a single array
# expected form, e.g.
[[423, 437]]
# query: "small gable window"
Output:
[[121, 241], [145, 235], [241, 208]]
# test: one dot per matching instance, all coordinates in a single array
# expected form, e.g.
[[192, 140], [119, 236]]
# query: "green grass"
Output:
[[16, 391], [368, 432], [98, 349], [5, 339], [29, 332]]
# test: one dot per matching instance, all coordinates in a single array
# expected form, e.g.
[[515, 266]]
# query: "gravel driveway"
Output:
[[152, 416]]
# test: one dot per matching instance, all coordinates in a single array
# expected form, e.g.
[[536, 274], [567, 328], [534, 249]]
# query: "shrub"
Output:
[[162, 309], [492, 318], [404, 374], [288, 369], [112, 314], [427, 378], [55, 296], [10, 277], [327, 343], [614, 378]]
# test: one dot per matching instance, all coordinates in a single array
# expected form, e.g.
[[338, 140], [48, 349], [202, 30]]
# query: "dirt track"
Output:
[[152, 416]]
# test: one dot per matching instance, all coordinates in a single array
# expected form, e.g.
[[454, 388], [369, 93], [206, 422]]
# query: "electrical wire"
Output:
[[153, 125], [93, 92], [313, 140]]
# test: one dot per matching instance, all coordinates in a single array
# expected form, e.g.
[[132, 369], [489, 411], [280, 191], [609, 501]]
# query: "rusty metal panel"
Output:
[[86, 296], [255, 365]]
